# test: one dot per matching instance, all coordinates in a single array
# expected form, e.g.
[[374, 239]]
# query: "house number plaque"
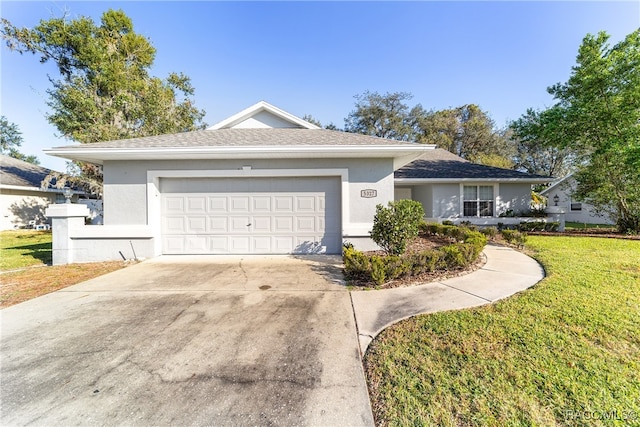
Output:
[[368, 193]]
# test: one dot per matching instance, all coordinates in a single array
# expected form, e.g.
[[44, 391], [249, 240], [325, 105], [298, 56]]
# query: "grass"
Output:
[[566, 352], [25, 256], [24, 248]]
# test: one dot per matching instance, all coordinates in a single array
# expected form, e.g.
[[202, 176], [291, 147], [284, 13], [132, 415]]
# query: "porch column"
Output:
[[64, 218]]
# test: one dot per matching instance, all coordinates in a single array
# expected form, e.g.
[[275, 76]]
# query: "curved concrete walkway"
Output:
[[506, 272]]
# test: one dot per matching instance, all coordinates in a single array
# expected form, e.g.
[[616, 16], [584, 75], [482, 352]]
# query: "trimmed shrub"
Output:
[[395, 225], [378, 269], [514, 237], [538, 226], [489, 232]]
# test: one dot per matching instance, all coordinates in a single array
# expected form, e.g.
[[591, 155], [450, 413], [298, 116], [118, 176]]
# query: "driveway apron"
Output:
[[190, 341]]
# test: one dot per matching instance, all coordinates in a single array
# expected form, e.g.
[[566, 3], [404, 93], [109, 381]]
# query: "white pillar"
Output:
[[64, 218], [557, 214]]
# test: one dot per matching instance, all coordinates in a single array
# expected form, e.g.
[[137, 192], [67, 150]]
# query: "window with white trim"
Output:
[[477, 200]]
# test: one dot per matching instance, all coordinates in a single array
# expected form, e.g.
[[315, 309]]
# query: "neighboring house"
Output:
[[452, 188], [575, 210], [22, 200], [261, 181]]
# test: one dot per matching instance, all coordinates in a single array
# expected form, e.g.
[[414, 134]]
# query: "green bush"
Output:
[[395, 225], [378, 269], [538, 226], [514, 237], [489, 232]]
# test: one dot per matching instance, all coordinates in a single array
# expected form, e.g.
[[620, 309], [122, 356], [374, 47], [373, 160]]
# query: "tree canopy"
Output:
[[104, 90], [535, 136], [11, 139], [467, 131], [597, 115]]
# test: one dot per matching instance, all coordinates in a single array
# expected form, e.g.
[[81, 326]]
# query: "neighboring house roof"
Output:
[[17, 173], [440, 165], [562, 184]]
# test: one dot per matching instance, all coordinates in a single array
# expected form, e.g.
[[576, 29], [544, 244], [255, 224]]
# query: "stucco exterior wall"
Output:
[[125, 186], [18, 207], [513, 196], [446, 200], [585, 215]]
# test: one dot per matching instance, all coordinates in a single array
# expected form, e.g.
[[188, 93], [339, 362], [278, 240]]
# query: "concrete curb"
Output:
[[505, 273]]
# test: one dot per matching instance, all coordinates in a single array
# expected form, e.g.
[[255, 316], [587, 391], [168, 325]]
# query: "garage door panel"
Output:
[[305, 224], [283, 204], [218, 224], [196, 204], [283, 244], [174, 225], [238, 204], [173, 204], [276, 215], [217, 204], [261, 224], [239, 244], [219, 244], [261, 204], [239, 224], [305, 204], [173, 244], [196, 224], [261, 244], [283, 224], [196, 244]]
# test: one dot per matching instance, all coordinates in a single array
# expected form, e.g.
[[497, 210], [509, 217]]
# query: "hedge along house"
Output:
[[260, 182], [452, 188]]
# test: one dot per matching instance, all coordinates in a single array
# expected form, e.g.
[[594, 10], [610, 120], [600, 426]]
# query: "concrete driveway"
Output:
[[188, 341]]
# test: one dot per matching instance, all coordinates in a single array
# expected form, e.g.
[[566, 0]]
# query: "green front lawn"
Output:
[[566, 352], [24, 248]]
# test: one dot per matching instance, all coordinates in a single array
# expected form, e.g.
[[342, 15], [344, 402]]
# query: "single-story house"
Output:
[[452, 188], [22, 200], [264, 181], [561, 194]]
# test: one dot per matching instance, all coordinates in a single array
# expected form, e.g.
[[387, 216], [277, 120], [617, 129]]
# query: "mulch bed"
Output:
[[422, 243]]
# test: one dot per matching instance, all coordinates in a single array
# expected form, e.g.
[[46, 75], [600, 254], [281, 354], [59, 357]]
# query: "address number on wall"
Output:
[[368, 193]]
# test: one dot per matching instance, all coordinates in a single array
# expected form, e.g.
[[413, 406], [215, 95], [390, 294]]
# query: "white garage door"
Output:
[[250, 215]]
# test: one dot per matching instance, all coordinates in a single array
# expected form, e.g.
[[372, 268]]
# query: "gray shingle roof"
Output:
[[441, 164], [245, 137], [19, 173]]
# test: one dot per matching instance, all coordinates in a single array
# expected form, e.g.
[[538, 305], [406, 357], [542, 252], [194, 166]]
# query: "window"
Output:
[[576, 206], [477, 200]]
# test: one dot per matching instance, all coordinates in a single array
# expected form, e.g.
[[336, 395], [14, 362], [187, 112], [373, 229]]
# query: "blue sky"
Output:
[[313, 57]]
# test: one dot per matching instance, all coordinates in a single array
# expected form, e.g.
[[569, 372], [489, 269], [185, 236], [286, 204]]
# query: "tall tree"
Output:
[[536, 138], [467, 131], [384, 116], [11, 139], [105, 91], [598, 115]]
